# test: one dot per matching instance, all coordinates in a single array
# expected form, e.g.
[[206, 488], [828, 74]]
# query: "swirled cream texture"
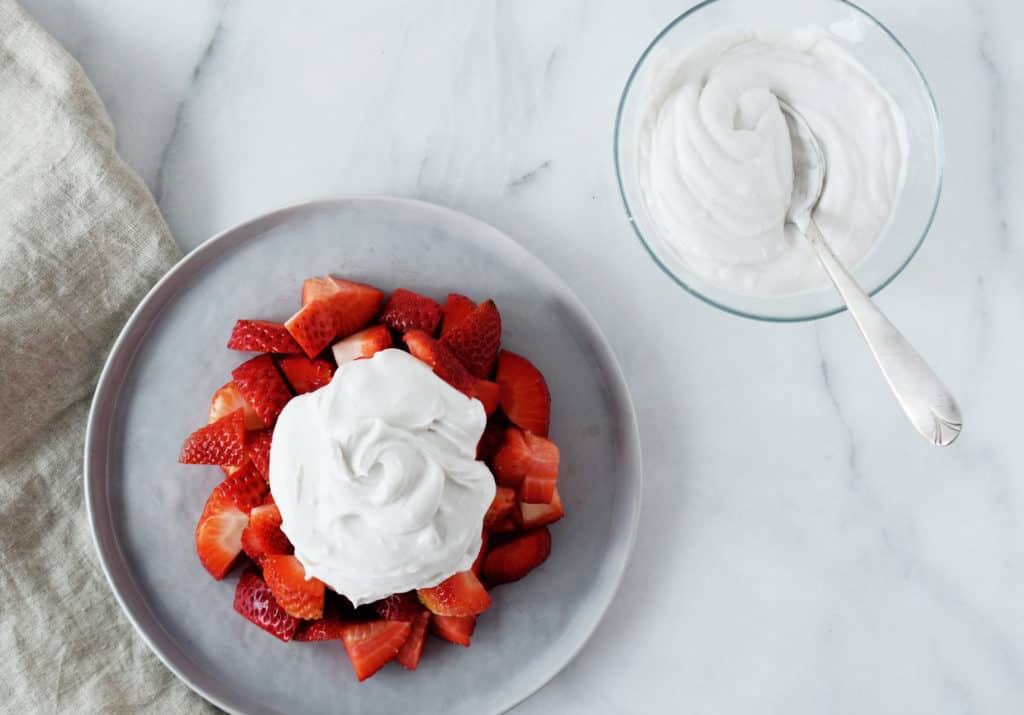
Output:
[[715, 166], [377, 480]]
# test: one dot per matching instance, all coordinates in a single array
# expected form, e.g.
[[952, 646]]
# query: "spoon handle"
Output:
[[931, 408]]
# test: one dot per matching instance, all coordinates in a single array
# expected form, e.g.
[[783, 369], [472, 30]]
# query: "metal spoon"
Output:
[[930, 407]]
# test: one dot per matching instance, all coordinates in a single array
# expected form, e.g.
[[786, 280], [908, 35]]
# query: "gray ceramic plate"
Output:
[[170, 358]]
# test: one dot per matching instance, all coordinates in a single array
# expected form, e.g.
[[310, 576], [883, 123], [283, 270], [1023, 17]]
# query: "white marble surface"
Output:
[[802, 551]]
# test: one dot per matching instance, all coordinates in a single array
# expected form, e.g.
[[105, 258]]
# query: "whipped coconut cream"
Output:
[[715, 165], [377, 480]]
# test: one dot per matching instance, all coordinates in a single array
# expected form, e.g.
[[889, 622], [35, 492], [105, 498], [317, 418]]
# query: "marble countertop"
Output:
[[801, 550]]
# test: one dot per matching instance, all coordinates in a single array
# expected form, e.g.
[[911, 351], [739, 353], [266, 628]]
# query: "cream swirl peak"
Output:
[[377, 480]]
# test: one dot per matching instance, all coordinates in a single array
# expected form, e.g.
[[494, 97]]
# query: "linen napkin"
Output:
[[81, 241]]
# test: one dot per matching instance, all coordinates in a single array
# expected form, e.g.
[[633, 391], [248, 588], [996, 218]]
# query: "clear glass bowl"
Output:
[[894, 68]]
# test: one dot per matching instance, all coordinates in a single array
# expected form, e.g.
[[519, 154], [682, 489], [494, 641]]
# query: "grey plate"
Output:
[[170, 358]]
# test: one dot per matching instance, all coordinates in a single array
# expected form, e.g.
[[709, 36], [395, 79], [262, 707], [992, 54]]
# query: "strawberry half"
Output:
[[454, 629], [219, 534], [254, 600], [445, 365], [505, 526], [458, 595], [228, 399], [513, 459], [364, 344], [409, 654], [525, 397], [476, 339], [245, 487], [328, 628], [297, 595], [353, 303], [528, 462], [489, 393], [221, 442], [372, 644], [263, 387], [305, 374], [534, 516], [405, 311], [456, 307], [314, 327], [502, 505], [263, 536], [258, 451], [512, 561], [262, 336], [399, 607]]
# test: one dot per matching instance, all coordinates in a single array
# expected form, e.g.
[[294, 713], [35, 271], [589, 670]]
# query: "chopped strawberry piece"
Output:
[[263, 387], [221, 442], [245, 486], [354, 304], [524, 393], [263, 536], [228, 399], [219, 534], [299, 596], [513, 459], [458, 595], [314, 327], [328, 628], [491, 440], [398, 607], [456, 308], [405, 311], [534, 516], [364, 344], [538, 485], [370, 645], [258, 451], [262, 336], [409, 654], [454, 629], [505, 526], [254, 600], [305, 374], [476, 339], [446, 366], [489, 393], [502, 506], [478, 565], [512, 561]]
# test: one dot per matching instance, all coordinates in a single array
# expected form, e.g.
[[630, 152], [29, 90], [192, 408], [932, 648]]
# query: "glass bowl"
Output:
[[875, 47]]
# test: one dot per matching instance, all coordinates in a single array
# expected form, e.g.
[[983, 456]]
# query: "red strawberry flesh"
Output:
[[299, 596], [263, 387], [405, 311], [525, 397], [371, 645], [458, 595], [513, 560], [305, 374], [254, 600], [476, 339], [262, 336], [221, 442]]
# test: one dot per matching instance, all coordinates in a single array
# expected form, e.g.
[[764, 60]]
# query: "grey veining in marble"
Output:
[[801, 551]]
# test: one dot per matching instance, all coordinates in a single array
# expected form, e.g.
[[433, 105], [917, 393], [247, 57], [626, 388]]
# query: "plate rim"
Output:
[[107, 393]]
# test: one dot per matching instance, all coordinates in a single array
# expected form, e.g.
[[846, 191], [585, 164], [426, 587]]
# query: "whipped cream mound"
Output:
[[376, 478]]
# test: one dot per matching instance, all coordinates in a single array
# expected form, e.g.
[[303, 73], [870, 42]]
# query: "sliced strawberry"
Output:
[[489, 393], [354, 304], [263, 536], [513, 459], [502, 506], [476, 339], [263, 387], [245, 487], [491, 440], [221, 442], [512, 561], [409, 654], [219, 534], [328, 628], [364, 344], [478, 565], [262, 336], [254, 600], [458, 595], [314, 327], [505, 526], [446, 366], [370, 645], [538, 485], [398, 607], [534, 516], [454, 629], [298, 596], [524, 393], [228, 399], [258, 451], [456, 308], [305, 374], [405, 311]]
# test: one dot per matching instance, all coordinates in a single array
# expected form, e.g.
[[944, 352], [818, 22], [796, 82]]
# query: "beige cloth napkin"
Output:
[[81, 241]]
